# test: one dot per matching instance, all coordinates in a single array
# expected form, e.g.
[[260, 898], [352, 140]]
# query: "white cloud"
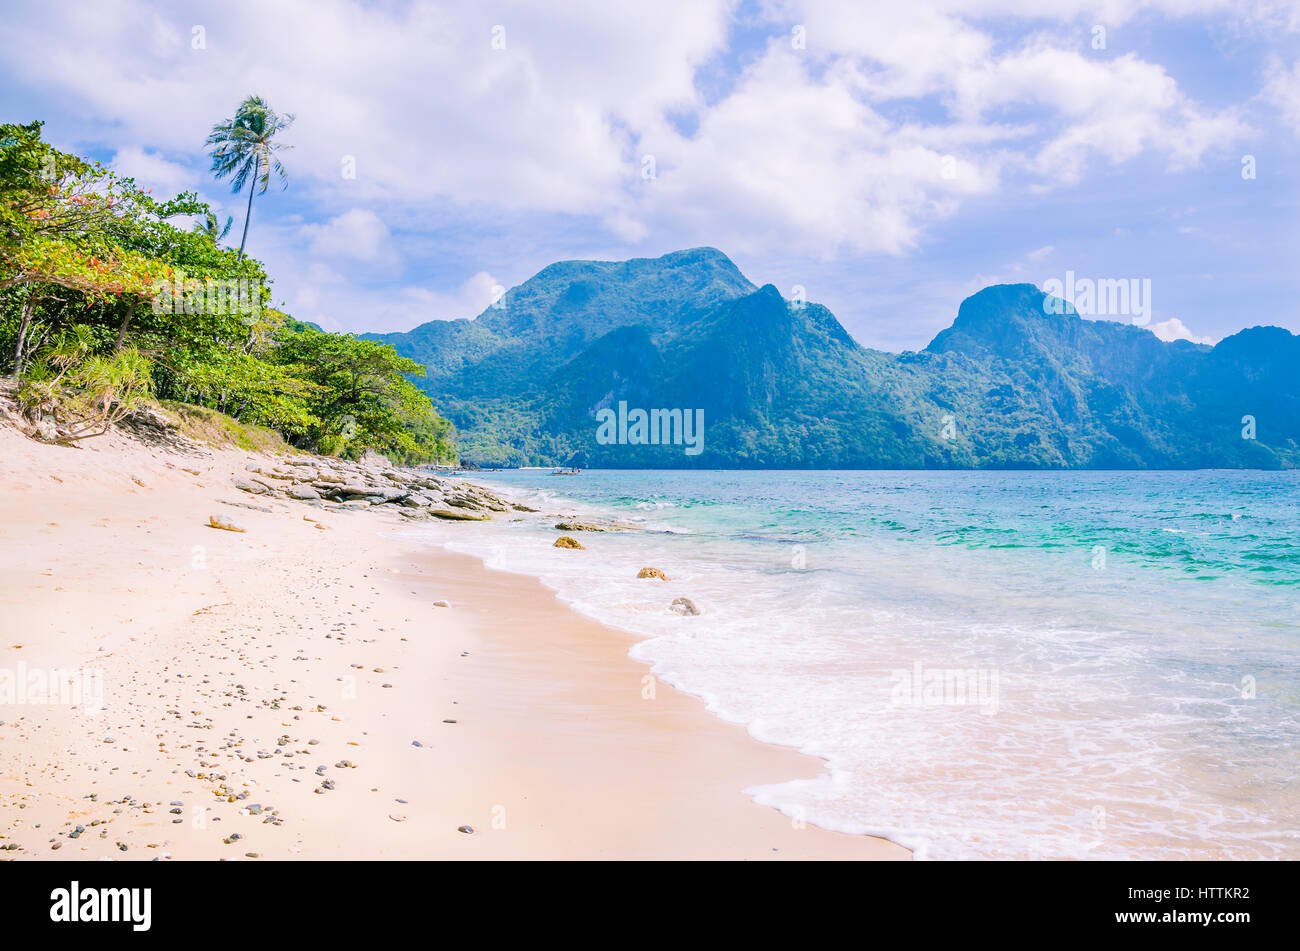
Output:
[[1175, 329], [358, 234], [417, 94], [892, 120], [1282, 90], [346, 293], [798, 151], [468, 300], [1114, 109], [326, 298], [151, 171], [790, 159]]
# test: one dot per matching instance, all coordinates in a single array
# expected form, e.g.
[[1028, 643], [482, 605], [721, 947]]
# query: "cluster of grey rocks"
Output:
[[341, 484], [414, 493]]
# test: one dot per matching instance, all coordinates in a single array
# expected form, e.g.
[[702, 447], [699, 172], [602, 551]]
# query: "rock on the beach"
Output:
[[652, 573], [245, 486], [303, 492], [459, 516], [354, 489], [564, 541], [225, 524], [245, 505], [684, 606]]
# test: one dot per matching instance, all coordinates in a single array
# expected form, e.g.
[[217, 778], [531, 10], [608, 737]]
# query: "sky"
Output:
[[886, 159]]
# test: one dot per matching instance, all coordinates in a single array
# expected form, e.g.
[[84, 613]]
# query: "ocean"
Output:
[[992, 664]]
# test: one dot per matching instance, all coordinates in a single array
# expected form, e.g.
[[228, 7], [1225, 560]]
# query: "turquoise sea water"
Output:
[[993, 664]]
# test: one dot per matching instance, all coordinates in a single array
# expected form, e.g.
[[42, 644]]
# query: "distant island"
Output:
[[781, 384]]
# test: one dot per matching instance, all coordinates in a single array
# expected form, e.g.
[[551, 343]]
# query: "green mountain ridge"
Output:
[[783, 385]]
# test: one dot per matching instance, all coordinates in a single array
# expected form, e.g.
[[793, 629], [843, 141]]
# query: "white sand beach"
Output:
[[295, 692]]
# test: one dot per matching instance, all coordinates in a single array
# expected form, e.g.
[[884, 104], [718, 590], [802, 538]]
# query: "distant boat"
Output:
[[563, 471]]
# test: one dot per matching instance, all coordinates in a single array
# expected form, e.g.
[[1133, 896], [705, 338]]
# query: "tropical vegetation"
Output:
[[110, 297]]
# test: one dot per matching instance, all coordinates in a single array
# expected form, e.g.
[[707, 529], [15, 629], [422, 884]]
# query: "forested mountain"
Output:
[[781, 384]]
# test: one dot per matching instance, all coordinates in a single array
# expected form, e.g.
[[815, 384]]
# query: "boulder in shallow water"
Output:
[[580, 527], [684, 606], [652, 573], [225, 524], [564, 541]]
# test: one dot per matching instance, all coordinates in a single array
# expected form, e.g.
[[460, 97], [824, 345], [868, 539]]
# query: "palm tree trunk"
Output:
[[252, 187]]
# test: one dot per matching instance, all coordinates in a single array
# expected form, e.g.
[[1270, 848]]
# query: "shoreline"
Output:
[[237, 665]]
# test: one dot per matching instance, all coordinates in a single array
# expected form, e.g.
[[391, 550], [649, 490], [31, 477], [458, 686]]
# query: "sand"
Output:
[[294, 692]]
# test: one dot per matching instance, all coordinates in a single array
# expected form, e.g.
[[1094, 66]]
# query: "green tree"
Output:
[[365, 400], [244, 149], [65, 239]]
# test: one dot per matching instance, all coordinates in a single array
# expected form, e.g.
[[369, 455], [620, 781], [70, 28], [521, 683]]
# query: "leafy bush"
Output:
[[74, 393]]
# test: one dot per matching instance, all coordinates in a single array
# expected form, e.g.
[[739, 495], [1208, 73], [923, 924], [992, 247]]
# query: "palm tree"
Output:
[[244, 147], [212, 227]]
